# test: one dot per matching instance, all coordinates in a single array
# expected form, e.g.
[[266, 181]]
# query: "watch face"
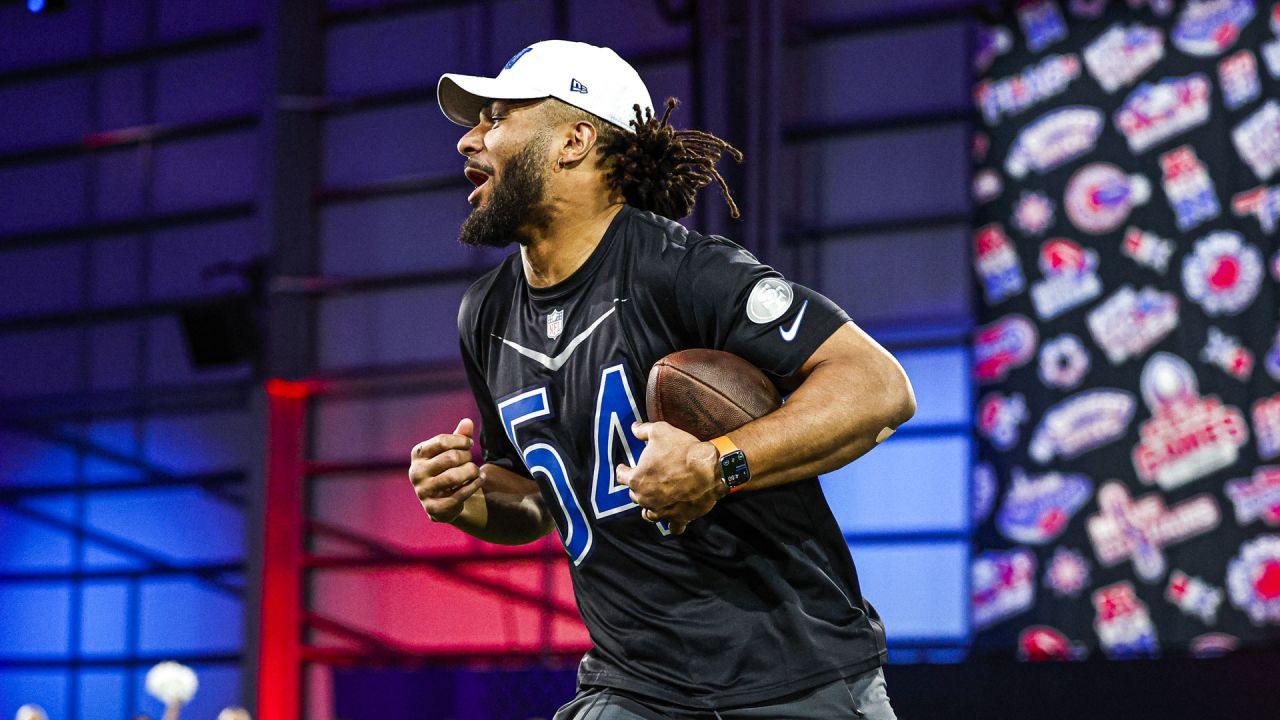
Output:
[[733, 467]]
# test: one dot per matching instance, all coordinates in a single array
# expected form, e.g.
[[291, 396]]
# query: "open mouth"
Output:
[[479, 178]]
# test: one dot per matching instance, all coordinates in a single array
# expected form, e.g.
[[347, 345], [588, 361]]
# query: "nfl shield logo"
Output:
[[555, 323]]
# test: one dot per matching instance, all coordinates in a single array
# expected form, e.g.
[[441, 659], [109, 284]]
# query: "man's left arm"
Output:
[[853, 394]]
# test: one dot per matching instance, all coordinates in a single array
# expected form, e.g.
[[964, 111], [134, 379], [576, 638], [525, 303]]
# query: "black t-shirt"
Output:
[[757, 599]]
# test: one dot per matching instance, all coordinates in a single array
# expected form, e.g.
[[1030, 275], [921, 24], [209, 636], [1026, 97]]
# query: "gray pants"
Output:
[[861, 696]]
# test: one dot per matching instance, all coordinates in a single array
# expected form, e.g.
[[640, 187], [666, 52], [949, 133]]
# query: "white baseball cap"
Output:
[[592, 78]]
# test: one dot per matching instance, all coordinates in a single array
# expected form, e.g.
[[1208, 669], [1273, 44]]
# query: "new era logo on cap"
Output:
[[552, 68]]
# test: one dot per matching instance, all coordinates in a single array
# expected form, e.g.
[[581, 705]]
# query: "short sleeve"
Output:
[[732, 302]]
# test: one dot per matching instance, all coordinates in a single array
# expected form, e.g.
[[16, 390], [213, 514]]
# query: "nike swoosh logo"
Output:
[[789, 334], [557, 362]]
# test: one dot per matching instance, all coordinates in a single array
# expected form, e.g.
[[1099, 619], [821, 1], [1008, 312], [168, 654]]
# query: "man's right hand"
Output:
[[443, 473]]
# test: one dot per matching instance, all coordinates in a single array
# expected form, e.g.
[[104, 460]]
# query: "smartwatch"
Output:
[[734, 472]]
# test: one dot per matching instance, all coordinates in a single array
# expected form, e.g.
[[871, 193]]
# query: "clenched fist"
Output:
[[443, 474]]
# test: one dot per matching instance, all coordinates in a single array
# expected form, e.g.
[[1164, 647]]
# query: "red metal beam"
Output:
[[280, 652]]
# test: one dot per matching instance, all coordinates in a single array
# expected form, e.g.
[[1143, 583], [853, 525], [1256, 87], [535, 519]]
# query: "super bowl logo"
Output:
[[1053, 139], [1194, 596], [1123, 623], [1000, 418], [997, 264], [1012, 95], [1041, 643], [1257, 139], [1041, 23], [1081, 423], [1253, 579], [1188, 187], [1147, 249], [1099, 197], [1003, 585], [1238, 76], [1266, 426], [1226, 352], [1068, 572], [1263, 203], [990, 43], [1258, 497], [1121, 55], [1037, 509], [1070, 278], [1188, 436], [1005, 344], [1208, 27], [987, 185], [1154, 113], [1033, 214], [1139, 530], [1064, 361], [1223, 273], [1128, 323]]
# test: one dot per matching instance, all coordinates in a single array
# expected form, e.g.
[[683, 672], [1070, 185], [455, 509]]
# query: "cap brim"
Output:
[[462, 96]]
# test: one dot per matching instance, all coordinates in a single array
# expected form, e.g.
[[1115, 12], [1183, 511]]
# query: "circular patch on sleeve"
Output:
[[769, 300]]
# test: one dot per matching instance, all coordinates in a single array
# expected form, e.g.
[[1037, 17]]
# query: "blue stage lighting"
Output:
[[35, 6]]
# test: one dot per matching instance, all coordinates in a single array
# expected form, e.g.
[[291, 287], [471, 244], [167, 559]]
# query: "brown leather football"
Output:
[[708, 393]]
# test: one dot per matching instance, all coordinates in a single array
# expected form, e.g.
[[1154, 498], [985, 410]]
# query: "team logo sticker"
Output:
[[1188, 435], [1193, 596], [1123, 622], [769, 300], [1266, 426], [997, 264], [1068, 573], [1257, 139], [1154, 113], [1100, 196], [1209, 27], [1054, 139], [1223, 273], [1041, 643], [1064, 362], [1041, 23], [1012, 95], [1081, 423], [1226, 352], [1070, 278], [987, 185], [1188, 187], [1139, 530], [1130, 322], [1003, 345], [1000, 419], [1253, 579], [1147, 249], [991, 43], [1263, 203], [1037, 509], [1122, 54], [1033, 213], [984, 491], [1257, 497], [1003, 585], [1238, 77]]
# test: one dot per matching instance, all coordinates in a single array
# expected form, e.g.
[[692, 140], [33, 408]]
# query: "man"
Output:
[[699, 603]]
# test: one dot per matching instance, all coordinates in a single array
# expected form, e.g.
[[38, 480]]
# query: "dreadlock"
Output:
[[661, 169]]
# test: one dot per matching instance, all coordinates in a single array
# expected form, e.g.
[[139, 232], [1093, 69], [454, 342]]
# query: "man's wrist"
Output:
[[733, 470]]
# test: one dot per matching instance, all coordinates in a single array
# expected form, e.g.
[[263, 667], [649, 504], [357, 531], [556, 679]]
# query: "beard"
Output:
[[517, 204]]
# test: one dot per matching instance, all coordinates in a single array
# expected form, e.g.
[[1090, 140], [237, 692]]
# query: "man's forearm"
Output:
[[508, 510], [840, 412]]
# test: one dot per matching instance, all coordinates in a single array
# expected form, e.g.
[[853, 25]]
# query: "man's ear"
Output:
[[578, 142]]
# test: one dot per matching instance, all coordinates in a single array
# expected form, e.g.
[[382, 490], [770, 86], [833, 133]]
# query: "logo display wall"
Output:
[[1126, 245]]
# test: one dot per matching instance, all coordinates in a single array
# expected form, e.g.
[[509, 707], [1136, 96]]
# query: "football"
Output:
[[708, 393]]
